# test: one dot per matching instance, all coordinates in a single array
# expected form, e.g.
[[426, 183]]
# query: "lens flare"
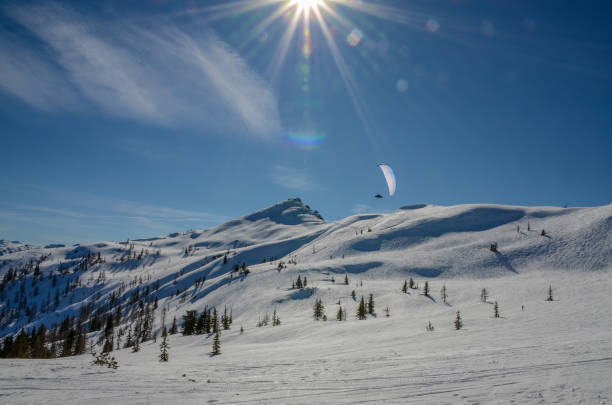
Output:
[[354, 37], [306, 140]]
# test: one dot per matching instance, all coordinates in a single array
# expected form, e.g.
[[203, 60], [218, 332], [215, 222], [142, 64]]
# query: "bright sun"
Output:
[[307, 4]]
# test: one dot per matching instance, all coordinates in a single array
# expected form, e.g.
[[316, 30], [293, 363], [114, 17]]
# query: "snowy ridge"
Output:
[[442, 245], [7, 247], [427, 241]]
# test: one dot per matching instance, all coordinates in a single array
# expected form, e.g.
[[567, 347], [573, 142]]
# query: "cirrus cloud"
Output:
[[149, 70]]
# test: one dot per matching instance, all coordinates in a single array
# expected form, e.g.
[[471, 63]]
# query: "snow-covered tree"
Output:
[[484, 295], [458, 321], [216, 349], [443, 293]]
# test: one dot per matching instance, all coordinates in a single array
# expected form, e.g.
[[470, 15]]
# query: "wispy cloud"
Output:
[[36, 81], [295, 179], [151, 71]]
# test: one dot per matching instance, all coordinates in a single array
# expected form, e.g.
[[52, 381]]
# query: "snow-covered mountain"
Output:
[[418, 241], [450, 246]]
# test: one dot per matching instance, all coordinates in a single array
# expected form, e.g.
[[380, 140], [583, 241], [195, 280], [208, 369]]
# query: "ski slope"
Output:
[[550, 352]]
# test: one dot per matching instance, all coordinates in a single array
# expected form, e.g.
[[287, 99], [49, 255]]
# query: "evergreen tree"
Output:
[[275, 319], [108, 345], [38, 348], [443, 293], [225, 320], [69, 343], [164, 346], [189, 322], [405, 287], [550, 294], [353, 294], [429, 327], [361, 310], [7, 348], [21, 345], [173, 329], [298, 283], [426, 289], [484, 294], [346, 280], [411, 283], [319, 308], [458, 321], [129, 339], [216, 349], [339, 314], [215, 320], [136, 346], [200, 323], [371, 304], [241, 330], [496, 310]]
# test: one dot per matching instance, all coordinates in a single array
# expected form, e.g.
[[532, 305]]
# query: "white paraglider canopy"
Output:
[[389, 176]]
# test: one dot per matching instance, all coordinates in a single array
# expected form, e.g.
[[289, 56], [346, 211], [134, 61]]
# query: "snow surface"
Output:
[[552, 352]]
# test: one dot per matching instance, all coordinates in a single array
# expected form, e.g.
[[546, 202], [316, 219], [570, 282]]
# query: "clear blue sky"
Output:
[[131, 119]]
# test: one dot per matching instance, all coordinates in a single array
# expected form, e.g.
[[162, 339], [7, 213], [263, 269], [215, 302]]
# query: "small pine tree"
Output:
[[387, 312], [411, 283], [174, 328], [496, 310], [426, 289], [339, 314], [458, 321], [216, 349], [550, 294], [241, 330], [429, 327], [225, 320], [361, 310], [163, 348], [371, 304], [353, 294], [346, 280], [275, 319], [318, 309], [443, 293], [405, 287], [484, 294], [105, 359], [543, 233], [136, 346], [298, 283]]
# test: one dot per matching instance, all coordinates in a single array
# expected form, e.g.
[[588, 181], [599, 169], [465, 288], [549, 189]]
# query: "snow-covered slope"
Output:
[[425, 241], [441, 245], [7, 247]]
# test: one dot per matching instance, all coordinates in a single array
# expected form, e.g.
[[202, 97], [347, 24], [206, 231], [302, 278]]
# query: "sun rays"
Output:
[[287, 24]]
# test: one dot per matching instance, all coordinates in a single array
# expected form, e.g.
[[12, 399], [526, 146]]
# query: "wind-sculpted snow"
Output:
[[301, 294], [474, 220]]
